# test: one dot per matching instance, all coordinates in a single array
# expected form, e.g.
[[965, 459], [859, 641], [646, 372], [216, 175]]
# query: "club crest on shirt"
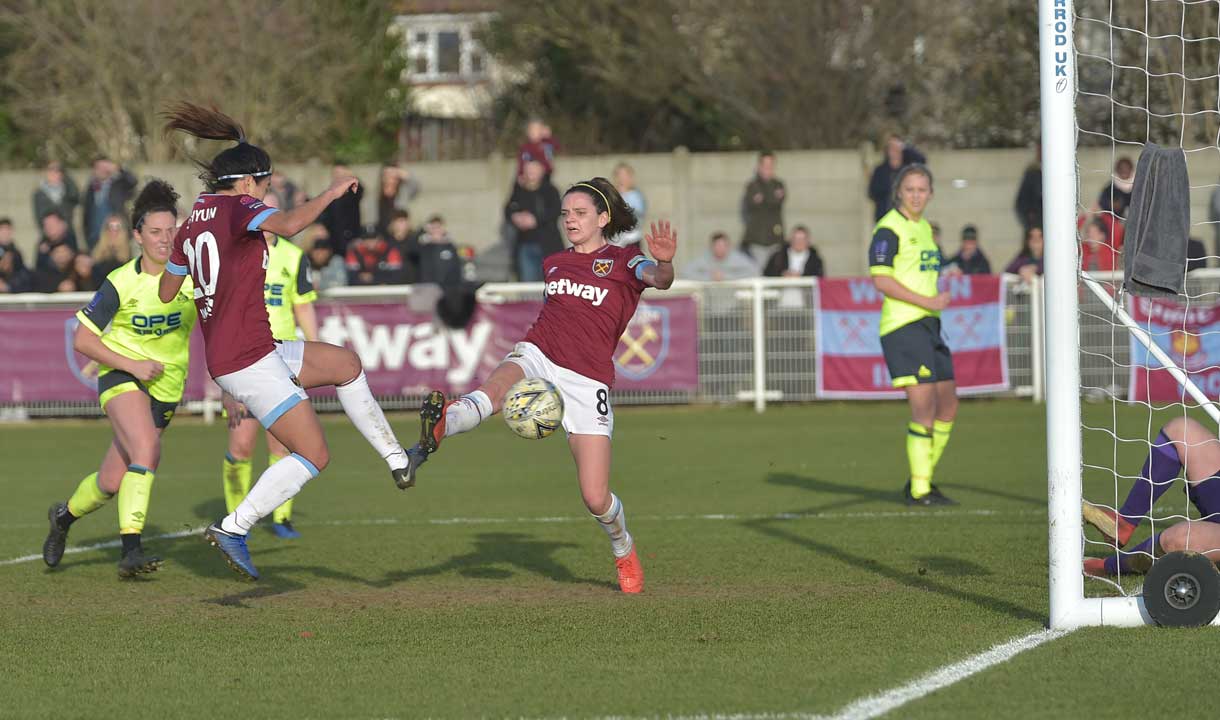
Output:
[[602, 266]]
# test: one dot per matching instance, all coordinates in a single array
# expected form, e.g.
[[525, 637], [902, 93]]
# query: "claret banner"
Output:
[[848, 318], [404, 352], [1190, 337]]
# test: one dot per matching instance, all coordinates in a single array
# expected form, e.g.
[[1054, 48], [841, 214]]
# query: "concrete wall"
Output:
[[701, 192]]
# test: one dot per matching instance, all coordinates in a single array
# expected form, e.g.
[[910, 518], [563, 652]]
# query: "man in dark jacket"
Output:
[[1029, 193], [55, 232], [439, 259], [881, 186], [763, 209], [56, 192], [533, 211], [969, 260], [342, 217], [799, 258], [110, 188]]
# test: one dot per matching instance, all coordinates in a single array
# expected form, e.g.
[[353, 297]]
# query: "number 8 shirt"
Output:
[[221, 247]]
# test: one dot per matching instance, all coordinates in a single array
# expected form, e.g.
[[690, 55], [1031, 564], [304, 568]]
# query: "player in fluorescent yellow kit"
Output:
[[142, 348], [289, 296], [904, 262]]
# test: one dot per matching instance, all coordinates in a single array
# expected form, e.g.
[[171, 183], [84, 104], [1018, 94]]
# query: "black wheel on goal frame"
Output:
[[1182, 589]]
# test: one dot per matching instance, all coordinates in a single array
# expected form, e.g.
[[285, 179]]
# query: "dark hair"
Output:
[[436, 218], [157, 196], [400, 214], [606, 199], [718, 235], [1025, 250], [211, 124], [766, 154], [912, 169], [57, 213], [6, 221]]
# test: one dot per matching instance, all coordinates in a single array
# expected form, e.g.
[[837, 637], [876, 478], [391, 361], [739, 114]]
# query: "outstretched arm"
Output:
[[663, 244], [290, 222]]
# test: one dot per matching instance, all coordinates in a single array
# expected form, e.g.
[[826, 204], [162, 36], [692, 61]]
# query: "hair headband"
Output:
[[601, 194], [263, 173]]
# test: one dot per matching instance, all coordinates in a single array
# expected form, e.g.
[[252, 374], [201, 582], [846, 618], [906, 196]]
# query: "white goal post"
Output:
[[1064, 284]]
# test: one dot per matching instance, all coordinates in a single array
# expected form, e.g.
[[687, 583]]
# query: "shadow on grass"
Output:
[[855, 494], [916, 580], [498, 556], [210, 510], [985, 490]]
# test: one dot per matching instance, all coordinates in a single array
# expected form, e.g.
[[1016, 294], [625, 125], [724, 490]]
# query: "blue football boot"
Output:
[[234, 549]]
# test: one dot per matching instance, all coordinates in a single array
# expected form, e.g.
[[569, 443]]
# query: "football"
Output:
[[533, 408]]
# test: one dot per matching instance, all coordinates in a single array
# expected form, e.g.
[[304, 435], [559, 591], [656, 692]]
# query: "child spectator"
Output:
[[372, 260], [539, 146], [969, 259], [327, 270], [1028, 262], [14, 278]]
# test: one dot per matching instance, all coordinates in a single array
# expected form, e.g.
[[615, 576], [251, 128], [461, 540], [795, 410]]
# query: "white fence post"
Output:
[[759, 335]]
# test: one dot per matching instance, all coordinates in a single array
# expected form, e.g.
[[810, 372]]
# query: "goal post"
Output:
[[1066, 286]]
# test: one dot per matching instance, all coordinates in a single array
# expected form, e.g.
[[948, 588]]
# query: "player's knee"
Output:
[[109, 482], [597, 502], [350, 365], [1175, 538], [1175, 429], [240, 449], [146, 453], [320, 457]]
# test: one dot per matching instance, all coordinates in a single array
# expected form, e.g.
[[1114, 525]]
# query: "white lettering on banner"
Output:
[[420, 347], [565, 286], [863, 292]]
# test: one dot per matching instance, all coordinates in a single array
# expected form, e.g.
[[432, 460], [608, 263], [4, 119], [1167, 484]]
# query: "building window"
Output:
[[443, 48]]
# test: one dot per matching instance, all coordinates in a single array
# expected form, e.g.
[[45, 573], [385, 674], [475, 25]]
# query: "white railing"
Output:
[[756, 339]]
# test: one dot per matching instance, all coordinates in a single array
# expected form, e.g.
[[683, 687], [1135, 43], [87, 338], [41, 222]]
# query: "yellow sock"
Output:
[[236, 481], [88, 497], [919, 456], [283, 513], [940, 438], [134, 494]]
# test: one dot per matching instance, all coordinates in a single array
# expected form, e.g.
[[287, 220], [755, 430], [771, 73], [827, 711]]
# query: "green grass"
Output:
[[811, 588]]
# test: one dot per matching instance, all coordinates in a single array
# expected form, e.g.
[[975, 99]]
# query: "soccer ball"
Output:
[[533, 408]]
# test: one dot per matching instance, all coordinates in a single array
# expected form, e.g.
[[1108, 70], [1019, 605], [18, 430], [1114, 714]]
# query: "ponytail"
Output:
[[210, 124]]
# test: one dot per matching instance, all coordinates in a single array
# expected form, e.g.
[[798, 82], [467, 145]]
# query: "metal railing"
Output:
[[756, 341]]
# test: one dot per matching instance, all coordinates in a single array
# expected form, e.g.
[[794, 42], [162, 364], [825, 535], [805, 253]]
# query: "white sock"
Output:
[[614, 522], [278, 483], [364, 412], [467, 412]]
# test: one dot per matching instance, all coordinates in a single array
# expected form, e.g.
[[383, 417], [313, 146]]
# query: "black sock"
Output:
[[131, 541], [64, 517]]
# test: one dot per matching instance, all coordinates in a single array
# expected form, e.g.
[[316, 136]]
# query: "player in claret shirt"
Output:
[[591, 292], [221, 247]]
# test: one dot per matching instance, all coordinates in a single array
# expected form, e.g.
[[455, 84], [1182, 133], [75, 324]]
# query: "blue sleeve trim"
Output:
[[639, 269], [289, 403], [313, 470], [175, 269], [258, 219]]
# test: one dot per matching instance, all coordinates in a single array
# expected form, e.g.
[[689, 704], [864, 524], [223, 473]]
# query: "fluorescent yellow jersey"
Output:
[[904, 250], [132, 321], [289, 283]]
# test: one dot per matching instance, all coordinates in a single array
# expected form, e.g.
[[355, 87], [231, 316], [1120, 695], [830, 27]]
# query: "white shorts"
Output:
[[268, 388], [293, 353], [586, 402]]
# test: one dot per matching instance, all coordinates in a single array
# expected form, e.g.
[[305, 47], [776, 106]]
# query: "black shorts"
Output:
[[117, 382], [916, 353]]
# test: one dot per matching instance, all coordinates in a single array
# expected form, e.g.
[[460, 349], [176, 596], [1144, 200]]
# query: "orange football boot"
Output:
[[630, 573], [1095, 567], [1115, 528]]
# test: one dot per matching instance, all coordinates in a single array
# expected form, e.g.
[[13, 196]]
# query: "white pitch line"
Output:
[[783, 517]]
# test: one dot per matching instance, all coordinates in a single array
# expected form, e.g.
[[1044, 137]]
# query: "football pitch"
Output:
[[784, 578]]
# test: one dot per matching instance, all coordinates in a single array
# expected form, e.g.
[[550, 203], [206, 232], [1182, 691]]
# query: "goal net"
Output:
[[1116, 76]]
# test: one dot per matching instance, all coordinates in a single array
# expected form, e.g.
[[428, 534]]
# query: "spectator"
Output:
[[56, 275], [1029, 193], [763, 209], [6, 233], [14, 278], [539, 146], [1213, 214], [286, 191], [326, 269], [405, 237], [55, 232], [936, 236], [81, 276], [969, 259], [798, 259], [1028, 262], [720, 262], [56, 192], [881, 185], [1196, 254], [624, 182], [1097, 251], [372, 260], [397, 189], [342, 217], [439, 259], [1116, 197], [110, 187], [113, 247], [533, 210]]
